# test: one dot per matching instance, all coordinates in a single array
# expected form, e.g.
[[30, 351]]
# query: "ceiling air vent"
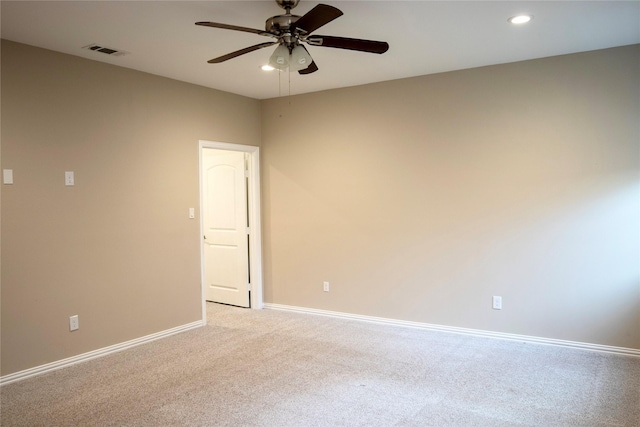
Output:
[[105, 50]]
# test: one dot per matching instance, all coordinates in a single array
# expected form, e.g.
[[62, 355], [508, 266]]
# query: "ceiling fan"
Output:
[[290, 31]]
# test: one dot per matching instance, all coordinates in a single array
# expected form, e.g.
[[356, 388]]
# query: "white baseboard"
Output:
[[38, 370], [452, 329]]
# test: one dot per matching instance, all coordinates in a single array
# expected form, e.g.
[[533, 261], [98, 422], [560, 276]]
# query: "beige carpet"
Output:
[[270, 368]]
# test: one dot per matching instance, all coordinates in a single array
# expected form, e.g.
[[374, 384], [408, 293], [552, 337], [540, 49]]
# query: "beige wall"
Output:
[[420, 199], [416, 199], [118, 248]]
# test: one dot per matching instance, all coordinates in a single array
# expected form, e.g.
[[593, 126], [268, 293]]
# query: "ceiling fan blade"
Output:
[[347, 43], [317, 17], [312, 68], [240, 52], [235, 28]]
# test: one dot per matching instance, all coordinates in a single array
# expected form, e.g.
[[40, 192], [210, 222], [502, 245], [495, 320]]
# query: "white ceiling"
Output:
[[425, 37]]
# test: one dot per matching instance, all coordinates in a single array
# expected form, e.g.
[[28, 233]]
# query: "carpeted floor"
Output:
[[271, 368]]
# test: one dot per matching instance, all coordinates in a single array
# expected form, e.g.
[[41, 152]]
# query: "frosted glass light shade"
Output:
[[300, 59], [280, 58]]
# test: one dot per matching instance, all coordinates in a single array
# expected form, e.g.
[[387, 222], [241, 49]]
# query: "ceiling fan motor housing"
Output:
[[280, 26], [280, 23]]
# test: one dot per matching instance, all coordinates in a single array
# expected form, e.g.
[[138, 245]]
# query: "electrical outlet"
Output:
[[74, 323], [326, 286], [497, 303]]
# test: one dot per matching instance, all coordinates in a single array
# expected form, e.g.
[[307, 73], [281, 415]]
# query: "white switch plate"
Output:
[[325, 286], [69, 178], [192, 213], [497, 303], [7, 176]]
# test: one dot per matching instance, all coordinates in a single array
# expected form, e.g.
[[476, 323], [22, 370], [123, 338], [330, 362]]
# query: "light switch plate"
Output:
[[7, 176], [69, 179], [192, 213]]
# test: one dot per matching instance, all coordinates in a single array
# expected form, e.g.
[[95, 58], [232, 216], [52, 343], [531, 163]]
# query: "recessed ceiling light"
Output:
[[520, 19], [267, 68]]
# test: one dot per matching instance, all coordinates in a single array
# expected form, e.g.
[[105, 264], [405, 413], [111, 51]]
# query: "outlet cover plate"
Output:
[[74, 323]]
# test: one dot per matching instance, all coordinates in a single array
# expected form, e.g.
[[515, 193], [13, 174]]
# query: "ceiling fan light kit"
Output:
[[291, 31]]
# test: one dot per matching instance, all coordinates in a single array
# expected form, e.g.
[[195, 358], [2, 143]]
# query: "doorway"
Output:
[[231, 256]]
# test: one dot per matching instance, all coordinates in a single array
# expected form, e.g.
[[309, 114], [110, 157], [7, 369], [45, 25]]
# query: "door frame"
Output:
[[255, 231]]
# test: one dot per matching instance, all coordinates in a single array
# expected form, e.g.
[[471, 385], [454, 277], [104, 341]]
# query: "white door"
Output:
[[226, 239]]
